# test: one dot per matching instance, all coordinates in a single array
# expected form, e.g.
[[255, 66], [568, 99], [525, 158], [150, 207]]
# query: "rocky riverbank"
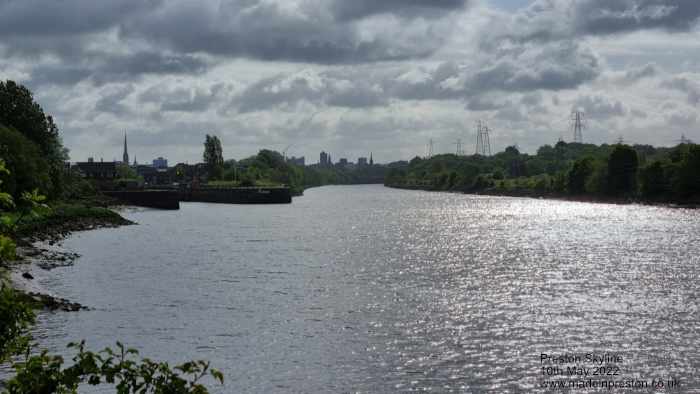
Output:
[[38, 247]]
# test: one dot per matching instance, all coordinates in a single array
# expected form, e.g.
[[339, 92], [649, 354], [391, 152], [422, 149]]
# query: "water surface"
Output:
[[369, 289]]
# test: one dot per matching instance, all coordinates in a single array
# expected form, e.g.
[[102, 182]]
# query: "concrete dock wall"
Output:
[[161, 199], [252, 195]]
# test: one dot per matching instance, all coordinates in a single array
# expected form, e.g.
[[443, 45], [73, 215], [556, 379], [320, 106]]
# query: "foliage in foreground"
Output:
[[15, 318], [122, 368]]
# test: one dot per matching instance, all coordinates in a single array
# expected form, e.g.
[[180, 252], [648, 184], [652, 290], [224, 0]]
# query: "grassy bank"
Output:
[[65, 217]]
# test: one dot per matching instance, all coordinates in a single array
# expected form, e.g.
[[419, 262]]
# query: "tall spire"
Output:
[[125, 158], [371, 160]]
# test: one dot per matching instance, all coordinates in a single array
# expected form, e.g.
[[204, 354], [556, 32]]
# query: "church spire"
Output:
[[125, 158]]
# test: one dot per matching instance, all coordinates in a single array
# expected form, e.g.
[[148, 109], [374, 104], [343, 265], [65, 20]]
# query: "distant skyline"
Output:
[[353, 77]]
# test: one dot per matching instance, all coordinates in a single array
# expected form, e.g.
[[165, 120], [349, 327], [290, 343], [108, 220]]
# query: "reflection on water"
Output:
[[373, 290]]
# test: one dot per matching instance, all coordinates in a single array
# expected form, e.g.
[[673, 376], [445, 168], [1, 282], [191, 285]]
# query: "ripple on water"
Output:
[[396, 291]]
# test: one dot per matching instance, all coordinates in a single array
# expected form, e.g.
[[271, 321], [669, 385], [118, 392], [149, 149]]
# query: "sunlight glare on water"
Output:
[[370, 289]]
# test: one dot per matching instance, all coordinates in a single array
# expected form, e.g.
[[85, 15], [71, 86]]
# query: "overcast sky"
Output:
[[353, 76]]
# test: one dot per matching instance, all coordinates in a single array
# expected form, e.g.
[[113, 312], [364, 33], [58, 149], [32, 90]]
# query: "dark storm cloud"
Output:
[[354, 9]]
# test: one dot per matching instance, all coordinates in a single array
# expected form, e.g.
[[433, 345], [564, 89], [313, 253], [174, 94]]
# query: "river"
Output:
[[370, 289]]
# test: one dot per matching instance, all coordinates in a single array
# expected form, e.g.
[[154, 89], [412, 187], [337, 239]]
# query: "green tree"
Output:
[[124, 171], [213, 157], [28, 170], [687, 180], [578, 175], [18, 110], [622, 170], [654, 180]]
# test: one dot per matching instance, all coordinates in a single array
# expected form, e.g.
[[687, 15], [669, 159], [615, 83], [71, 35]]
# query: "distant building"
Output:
[[371, 160], [125, 156], [343, 162], [298, 161], [154, 176], [362, 161], [160, 163], [325, 160], [97, 171]]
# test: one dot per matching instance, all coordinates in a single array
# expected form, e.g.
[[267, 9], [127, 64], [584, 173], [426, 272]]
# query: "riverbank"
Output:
[[559, 197], [37, 245]]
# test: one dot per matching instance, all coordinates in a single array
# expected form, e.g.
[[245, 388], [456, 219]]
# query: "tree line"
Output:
[[639, 172], [269, 168]]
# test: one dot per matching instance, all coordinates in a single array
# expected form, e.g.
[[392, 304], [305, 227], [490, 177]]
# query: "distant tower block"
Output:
[[483, 141], [578, 125]]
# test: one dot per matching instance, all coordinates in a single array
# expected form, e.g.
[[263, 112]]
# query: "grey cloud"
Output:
[[154, 63], [565, 65], [57, 74], [551, 67], [344, 9], [615, 16], [320, 89], [484, 104], [115, 68], [112, 100], [302, 31], [685, 85], [102, 68], [267, 31], [553, 20], [511, 113], [66, 17], [636, 74], [600, 107], [189, 100], [684, 119]]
